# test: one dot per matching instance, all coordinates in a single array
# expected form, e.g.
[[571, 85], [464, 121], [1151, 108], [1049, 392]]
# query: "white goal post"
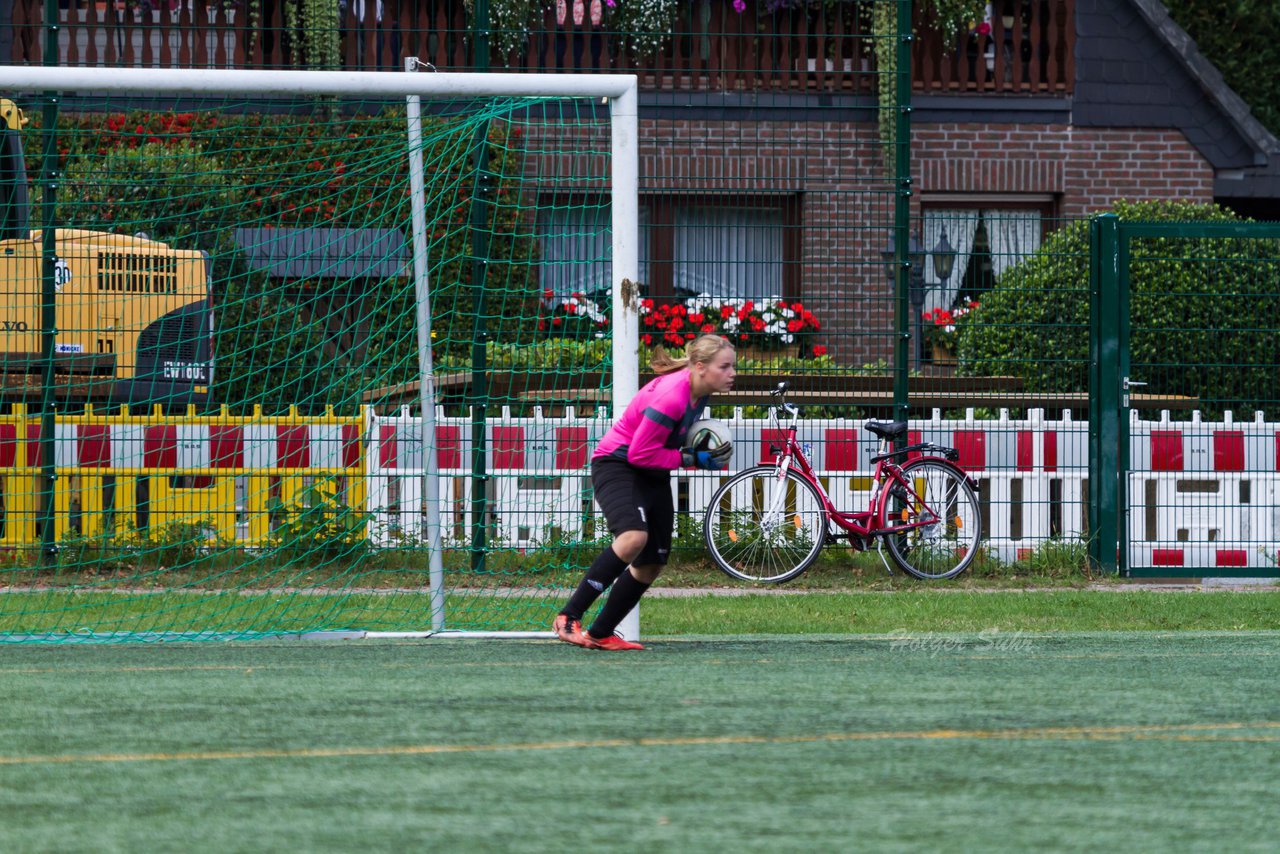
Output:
[[618, 91]]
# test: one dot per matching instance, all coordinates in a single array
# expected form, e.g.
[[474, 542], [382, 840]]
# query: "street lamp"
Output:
[[918, 290], [944, 259]]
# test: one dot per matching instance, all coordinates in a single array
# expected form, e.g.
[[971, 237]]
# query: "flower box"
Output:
[[756, 354], [942, 355], [768, 327]]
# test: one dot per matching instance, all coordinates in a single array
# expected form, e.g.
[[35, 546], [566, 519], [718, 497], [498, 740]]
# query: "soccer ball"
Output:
[[709, 434]]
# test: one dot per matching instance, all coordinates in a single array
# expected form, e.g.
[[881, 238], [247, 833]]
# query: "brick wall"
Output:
[[847, 206], [1085, 169]]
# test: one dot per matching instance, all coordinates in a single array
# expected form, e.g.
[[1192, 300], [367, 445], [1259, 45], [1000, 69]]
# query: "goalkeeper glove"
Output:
[[709, 460]]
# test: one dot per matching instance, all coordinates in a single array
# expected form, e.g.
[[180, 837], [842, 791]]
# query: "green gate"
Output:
[[1185, 322]]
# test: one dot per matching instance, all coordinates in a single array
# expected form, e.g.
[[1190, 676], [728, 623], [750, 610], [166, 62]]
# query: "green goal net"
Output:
[[290, 352]]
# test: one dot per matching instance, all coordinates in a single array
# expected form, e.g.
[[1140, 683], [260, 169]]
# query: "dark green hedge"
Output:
[[1202, 314], [1242, 39]]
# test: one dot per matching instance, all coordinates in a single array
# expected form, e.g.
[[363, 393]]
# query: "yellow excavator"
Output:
[[134, 316]]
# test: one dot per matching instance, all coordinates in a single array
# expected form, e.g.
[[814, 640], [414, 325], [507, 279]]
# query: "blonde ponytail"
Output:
[[701, 349]]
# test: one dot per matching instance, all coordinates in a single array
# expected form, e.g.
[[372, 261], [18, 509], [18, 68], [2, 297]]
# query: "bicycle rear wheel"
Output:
[[764, 529], [946, 524]]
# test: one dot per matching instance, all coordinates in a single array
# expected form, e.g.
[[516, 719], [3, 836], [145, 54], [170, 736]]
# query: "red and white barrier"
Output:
[[1210, 488], [538, 478], [129, 445], [1204, 494], [232, 463]]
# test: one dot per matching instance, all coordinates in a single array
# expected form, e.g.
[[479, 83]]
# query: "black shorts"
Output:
[[635, 499]]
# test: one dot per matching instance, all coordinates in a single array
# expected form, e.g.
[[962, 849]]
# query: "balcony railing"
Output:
[[826, 49]]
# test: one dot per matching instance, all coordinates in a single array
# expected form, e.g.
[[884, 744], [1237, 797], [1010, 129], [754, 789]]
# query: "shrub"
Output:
[[1188, 296]]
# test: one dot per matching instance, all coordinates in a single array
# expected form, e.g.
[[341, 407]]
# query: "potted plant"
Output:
[[942, 329]]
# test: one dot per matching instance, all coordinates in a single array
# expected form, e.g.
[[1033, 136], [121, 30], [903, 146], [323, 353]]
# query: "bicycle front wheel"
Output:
[[763, 528], [939, 520]]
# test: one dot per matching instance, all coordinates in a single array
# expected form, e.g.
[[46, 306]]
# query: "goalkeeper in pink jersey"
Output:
[[631, 475]]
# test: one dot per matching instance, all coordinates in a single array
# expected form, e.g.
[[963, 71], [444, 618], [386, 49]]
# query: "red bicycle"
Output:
[[768, 523]]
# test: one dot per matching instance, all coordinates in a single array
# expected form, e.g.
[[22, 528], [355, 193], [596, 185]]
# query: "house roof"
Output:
[[1136, 67]]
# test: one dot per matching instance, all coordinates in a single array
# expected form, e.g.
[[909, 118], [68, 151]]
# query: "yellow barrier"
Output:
[[181, 469]]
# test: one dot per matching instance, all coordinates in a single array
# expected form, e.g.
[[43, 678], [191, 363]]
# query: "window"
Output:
[[988, 238], [729, 247], [727, 251], [576, 244]]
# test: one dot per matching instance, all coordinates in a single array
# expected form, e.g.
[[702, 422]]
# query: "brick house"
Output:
[[762, 171], [1146, 117]]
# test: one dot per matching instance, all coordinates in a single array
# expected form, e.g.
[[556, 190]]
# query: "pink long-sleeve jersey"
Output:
[[653, 428]]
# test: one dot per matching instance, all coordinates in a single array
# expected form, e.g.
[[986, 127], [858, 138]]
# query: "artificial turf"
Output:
[[906, 740]]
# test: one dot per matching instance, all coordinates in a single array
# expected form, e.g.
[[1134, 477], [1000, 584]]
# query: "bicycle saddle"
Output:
[[888, 429]]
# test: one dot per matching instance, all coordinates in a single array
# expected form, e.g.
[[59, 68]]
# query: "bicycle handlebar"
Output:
[[794, 411], [791, 409]]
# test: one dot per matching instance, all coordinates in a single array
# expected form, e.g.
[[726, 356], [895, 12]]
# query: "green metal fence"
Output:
[[990, 326], [1185, 442]]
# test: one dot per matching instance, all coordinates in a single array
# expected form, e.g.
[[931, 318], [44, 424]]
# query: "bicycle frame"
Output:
[[873, 521]]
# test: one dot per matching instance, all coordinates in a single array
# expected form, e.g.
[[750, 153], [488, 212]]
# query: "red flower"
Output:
[[819, 350]]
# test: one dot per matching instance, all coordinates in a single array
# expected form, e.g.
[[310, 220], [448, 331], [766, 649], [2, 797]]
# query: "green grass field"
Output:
[[67, 614], [906, 739]]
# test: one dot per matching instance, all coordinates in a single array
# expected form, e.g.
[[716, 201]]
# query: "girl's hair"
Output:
[[701, 349]]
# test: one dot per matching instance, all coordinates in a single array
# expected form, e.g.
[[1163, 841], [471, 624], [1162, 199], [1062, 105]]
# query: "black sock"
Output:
[[625, 595], [604, 571]]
